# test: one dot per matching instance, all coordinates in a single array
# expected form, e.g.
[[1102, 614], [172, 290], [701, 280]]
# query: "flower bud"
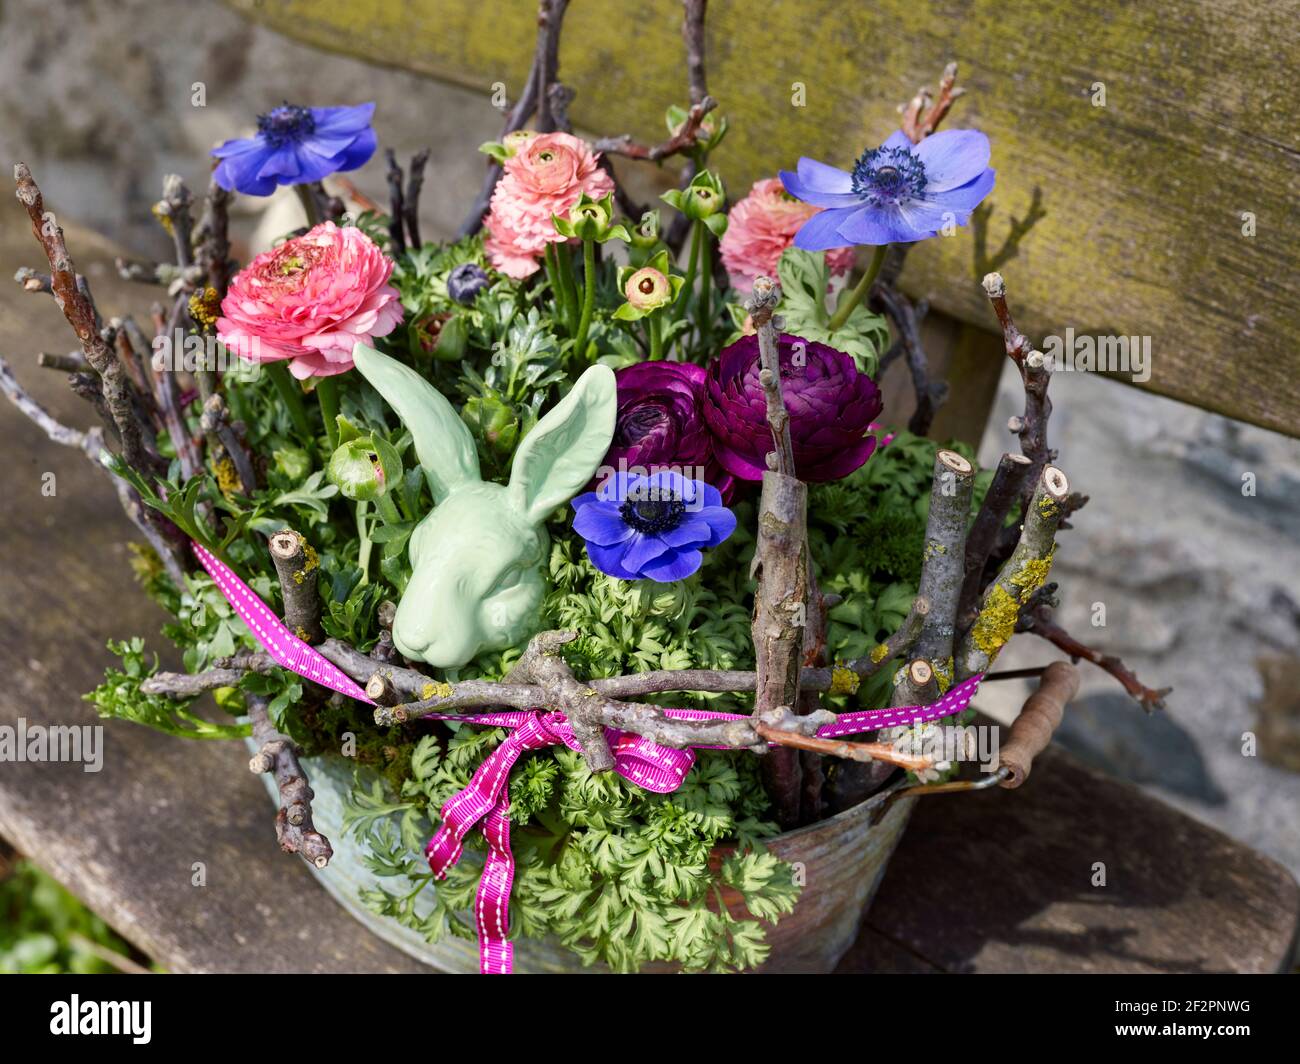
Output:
[[647, 289], [646, 233], [465, 282], [363, 469], [701, 201], [590, 219]]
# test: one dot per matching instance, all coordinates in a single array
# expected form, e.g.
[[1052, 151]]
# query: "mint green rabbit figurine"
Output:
[[476, 558]]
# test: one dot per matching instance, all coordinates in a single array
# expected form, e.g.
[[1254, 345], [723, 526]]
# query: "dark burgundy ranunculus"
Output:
[[830, 402], [660, 424]]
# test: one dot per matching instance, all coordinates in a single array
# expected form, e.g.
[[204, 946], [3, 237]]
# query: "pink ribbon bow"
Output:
[[646, 764], [656, 768]]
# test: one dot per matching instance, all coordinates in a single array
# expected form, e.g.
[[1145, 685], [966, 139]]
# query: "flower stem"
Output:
[[557, 283], [290, 395], [656, 337], [705, 306], [849, 300], [307, 197], [363, 551], [588, 295], [327, 394], [688, 289], [564, 259]]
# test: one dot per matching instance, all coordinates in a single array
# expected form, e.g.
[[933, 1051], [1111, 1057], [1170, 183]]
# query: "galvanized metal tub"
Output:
[[840, 862]]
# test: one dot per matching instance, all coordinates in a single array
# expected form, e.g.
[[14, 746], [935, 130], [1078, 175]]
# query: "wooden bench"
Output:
[[1121, 219], [1136, 145], [989, 882]]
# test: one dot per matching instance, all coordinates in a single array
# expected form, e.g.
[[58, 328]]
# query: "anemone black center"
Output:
[[653, 512], [285, 124], [888, 176]]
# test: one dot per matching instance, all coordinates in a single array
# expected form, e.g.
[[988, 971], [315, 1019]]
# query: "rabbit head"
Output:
[[476, 580]]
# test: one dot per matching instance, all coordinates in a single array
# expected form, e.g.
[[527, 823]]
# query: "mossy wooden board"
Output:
[[1141, 200]]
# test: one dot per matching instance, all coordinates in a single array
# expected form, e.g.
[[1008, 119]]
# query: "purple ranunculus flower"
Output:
[[651, 527], [465, 282], [296, 146], [830, 401], [661, 424], [895, 194]]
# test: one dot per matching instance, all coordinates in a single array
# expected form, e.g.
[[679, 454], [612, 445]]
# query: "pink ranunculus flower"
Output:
[[311, 300], [545, 176], [760, 227]]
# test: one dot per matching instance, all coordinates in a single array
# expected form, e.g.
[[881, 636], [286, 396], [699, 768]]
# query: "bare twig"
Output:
[[906, 318], [279, 755], [414, 686], [780, 563], [396, 204], [534, 98], [1037, 617], [883, 753], [923, 113], [762, 302], [411, 205], [1035, 373], [1003, 493], [91, 444], [942, 559], [72, 362], [1018, 579], [82, 316], [225, 672], [693, 34], [298, 568], [682, 142], [173, 212], [215, 422], [167, 274], [212, 239]]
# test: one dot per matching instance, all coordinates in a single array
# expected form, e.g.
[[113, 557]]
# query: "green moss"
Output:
[[844, 681], [996, 621], [943, 674]]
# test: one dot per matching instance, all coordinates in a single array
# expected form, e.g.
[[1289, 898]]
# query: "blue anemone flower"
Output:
[[895, 194], [651, 527], [296, 146]]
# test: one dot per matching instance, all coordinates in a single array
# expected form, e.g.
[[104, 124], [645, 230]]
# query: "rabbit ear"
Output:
[[564, 450], [442, 441]]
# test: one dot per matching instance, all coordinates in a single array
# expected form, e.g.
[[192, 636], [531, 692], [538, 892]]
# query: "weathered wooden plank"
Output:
[[1004, 881], [1142, 200]]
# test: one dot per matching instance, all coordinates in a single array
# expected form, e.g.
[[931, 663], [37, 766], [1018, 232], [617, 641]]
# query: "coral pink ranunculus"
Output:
[[311, 300], [545, 176], [763, 225]]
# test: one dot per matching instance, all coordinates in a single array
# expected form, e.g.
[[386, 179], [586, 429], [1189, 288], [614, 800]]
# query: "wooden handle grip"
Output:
[[1032, 730]]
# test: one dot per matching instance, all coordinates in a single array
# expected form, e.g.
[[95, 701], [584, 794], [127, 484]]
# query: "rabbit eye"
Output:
[[508, 579]]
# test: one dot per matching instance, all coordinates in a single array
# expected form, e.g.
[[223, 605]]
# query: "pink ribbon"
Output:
[[655, 768], [284, 647], [646, 764]]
